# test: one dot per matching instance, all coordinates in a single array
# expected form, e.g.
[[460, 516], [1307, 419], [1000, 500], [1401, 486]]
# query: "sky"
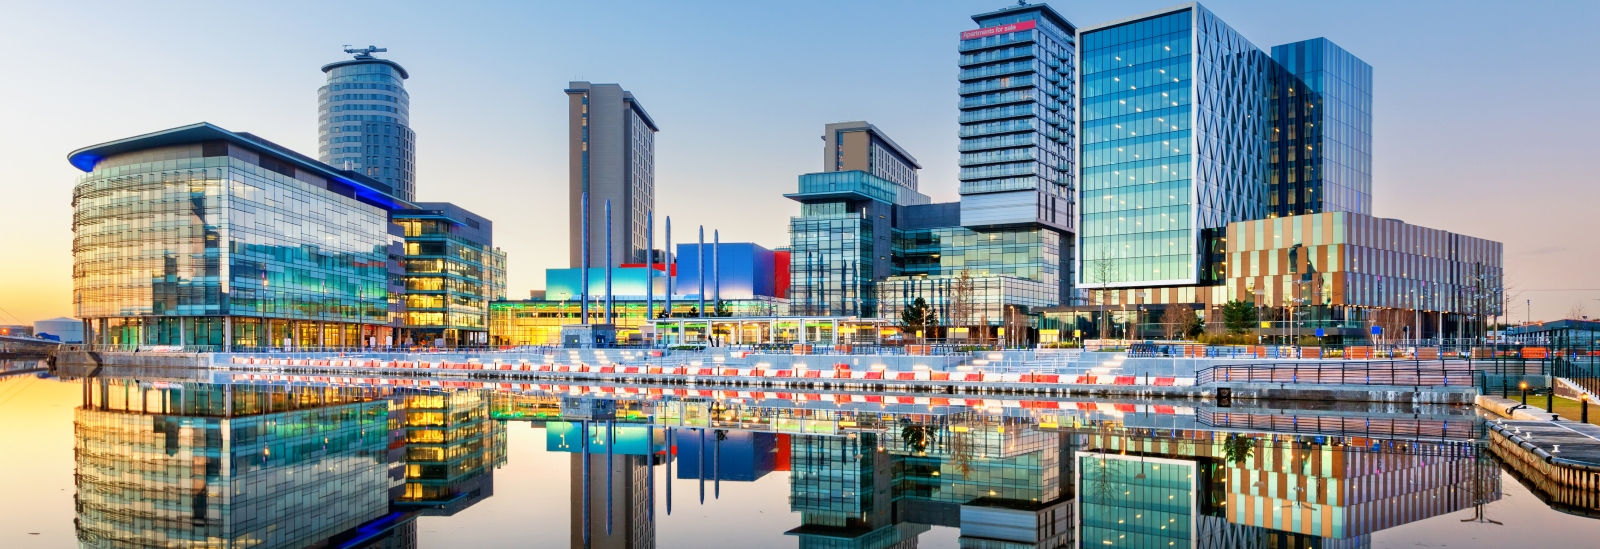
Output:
[[1478, 108]]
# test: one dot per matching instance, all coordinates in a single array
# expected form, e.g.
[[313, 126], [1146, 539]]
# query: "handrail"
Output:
[[1389, 373]]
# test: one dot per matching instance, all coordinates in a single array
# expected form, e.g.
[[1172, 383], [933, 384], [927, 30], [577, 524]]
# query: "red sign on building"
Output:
[[1002, 29]]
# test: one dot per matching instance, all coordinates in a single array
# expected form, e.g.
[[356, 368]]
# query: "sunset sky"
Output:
[[1477, 107]]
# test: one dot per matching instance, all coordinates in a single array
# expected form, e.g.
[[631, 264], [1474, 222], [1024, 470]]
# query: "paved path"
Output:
[[1563, 439]]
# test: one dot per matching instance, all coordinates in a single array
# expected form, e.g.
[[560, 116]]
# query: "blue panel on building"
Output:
[[630, 440], [741, 456], [626, 282], [746, 271]]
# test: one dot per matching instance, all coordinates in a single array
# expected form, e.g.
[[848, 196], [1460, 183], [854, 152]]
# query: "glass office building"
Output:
[[840, 244], [1174, 144], [1321, 142], [452, 272], [364, 121], [201, 236]]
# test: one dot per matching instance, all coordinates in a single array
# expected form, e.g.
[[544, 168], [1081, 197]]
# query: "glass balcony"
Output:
[[855, 182], [1017, 67]]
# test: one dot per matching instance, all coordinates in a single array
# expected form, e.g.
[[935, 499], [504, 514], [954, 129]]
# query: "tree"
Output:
[[723, 309], [1239, 316], [960, 299], [1104, 271], [917, 316], [1196, 327], [1177, 320], [1576, 312]]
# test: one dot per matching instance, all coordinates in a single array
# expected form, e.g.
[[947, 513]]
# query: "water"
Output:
[[360, 466]]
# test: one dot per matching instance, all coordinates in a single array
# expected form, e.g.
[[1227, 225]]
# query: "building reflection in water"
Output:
[[1210, 489], [451, 449], [163, 464], [183, 464]]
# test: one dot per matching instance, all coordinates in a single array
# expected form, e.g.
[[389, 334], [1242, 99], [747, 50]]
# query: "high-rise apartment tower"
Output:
[[364, 121], [611, 144]]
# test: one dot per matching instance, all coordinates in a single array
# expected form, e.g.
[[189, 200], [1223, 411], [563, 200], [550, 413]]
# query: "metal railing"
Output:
[[1415, 373], [1369, 427]]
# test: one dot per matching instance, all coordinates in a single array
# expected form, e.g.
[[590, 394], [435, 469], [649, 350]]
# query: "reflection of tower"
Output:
[[1029, 503], [452, 449], [168, 464], [842, 487], [630, 527]]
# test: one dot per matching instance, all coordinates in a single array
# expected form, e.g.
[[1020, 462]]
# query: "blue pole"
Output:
[[672, 440], [611, 431], [669, 268], [700, 253], [649, 266], [700, 473], [609, 264], [585, 426], [716, 269], [650, 462], [583, 276]]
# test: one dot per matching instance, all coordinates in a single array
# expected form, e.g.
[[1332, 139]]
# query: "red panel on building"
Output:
[[780, 274], [999, 29], [781, 463], [658, 266]]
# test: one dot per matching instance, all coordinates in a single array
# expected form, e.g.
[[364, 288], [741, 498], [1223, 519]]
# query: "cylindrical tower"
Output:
[[364, 121]]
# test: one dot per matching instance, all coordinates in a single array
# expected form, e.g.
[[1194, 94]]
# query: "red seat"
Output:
[[1124, 380]]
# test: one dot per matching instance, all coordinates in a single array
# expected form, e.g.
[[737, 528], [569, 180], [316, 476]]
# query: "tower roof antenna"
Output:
[[363, 53]]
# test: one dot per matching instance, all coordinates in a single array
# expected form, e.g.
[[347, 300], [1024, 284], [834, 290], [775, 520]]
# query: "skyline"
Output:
[[511, 178]]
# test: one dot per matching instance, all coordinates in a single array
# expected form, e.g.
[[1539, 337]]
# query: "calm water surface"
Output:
[[152, 462]]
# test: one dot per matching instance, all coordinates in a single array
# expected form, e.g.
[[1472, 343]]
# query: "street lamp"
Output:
[[1524, 386], [1258, 294]]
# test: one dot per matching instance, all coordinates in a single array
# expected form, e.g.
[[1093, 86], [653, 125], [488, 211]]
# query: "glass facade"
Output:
[[204, 465], [216, 243], [840, 244], [1321, 141], [452, 272], [364, 123], [1144, 503], [539, 322], [452, 448], [1174, 119]]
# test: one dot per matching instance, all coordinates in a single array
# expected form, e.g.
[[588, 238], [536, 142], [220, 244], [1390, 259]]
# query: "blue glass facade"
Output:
[[1322, 135], [840, 245], [1136, 502], [1187, 127]]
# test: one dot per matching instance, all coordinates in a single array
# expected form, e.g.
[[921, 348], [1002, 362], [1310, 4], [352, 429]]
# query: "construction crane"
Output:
[[363, 53]]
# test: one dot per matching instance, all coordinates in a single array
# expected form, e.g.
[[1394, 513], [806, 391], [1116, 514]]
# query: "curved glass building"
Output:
[[364, 121], [198, 236]]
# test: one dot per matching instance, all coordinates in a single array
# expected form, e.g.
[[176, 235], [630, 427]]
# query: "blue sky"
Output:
[[1480, 107]]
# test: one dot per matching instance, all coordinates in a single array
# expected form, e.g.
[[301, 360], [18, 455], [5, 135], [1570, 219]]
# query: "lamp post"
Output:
[[1583, 407], [1524, 386], [1138, 300], [1258, 294]]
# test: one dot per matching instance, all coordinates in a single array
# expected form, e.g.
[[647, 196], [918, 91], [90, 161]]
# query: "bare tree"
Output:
[[1576, 312], [1176, 320], [1103, 272], [960, 300]]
